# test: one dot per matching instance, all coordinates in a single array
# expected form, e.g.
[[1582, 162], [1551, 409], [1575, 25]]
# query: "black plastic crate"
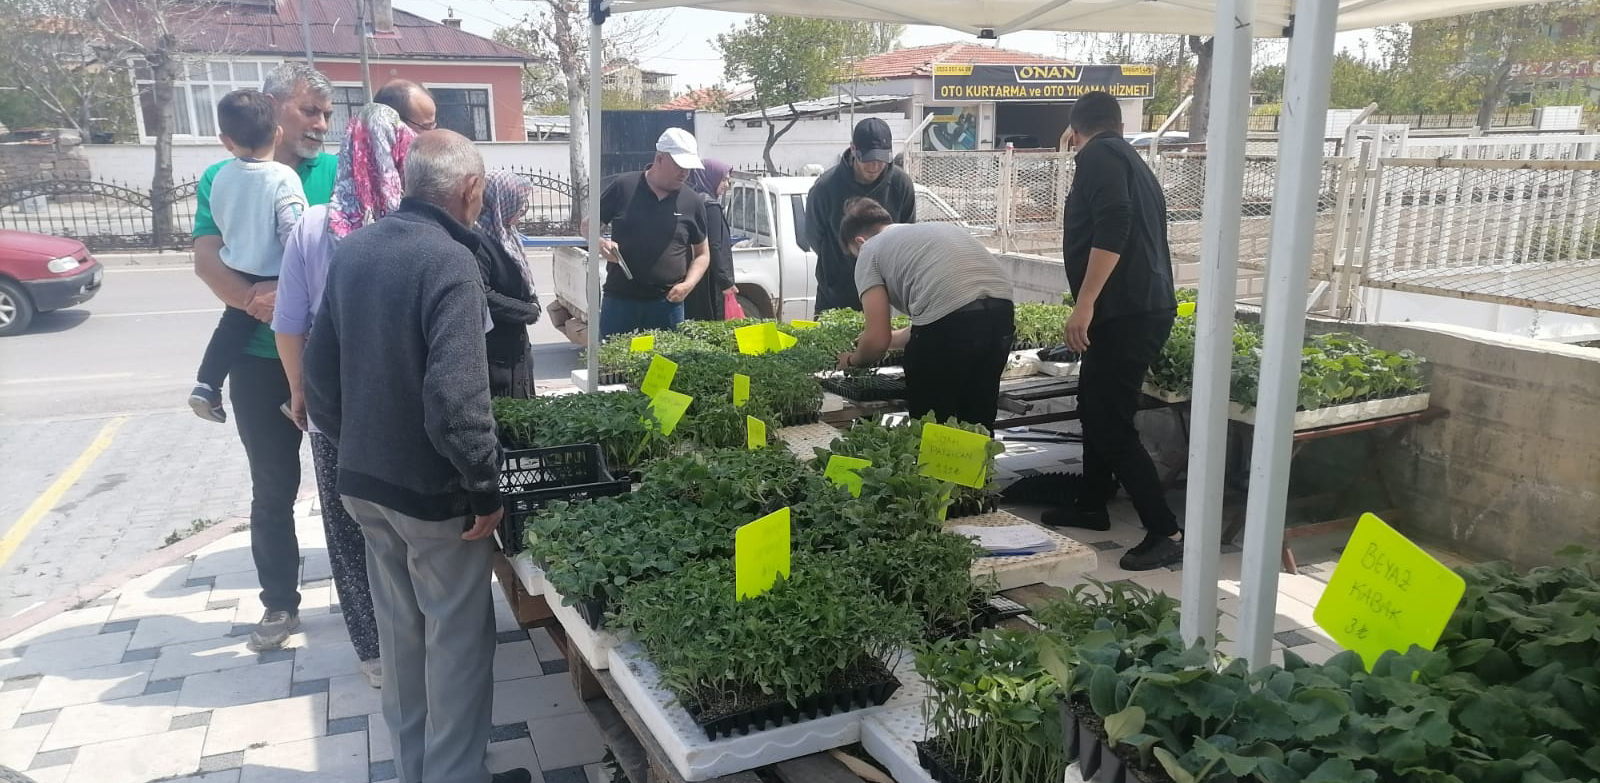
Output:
[[531, 478], [870, 387]]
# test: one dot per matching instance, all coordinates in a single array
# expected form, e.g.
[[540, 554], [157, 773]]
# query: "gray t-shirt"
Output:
[[930, 270]]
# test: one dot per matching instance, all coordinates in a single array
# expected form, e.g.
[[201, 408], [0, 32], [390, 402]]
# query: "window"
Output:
[[195, 96], [347, 101], [748, 215], [465, 111]]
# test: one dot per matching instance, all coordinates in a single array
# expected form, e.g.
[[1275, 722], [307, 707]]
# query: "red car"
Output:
[[40, 273]]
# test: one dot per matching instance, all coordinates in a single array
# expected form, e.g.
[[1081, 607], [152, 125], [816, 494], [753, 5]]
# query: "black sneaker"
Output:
[[1083, 519], [274, 629], [206, 403], [1156, 551], [518, 775]]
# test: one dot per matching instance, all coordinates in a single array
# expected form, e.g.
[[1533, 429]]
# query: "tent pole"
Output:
[[1294, 215], [1213, 355], [597, 15]]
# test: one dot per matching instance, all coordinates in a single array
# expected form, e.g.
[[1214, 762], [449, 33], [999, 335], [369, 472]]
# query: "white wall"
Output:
[[135, 163], [809, 141], [1386, 306]]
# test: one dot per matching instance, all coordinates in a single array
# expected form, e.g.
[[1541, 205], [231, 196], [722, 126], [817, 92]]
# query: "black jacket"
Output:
[[836, 270], [1116, 204], [395, 372], [512, 305], [705, 301]]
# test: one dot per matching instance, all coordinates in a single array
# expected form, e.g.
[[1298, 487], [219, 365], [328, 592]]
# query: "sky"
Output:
[[684, 47]]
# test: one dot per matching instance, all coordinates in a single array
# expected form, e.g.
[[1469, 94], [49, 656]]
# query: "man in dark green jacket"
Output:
[[867, 170]]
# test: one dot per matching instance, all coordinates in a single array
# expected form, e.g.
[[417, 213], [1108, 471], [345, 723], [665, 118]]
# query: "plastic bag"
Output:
[[731, 311]]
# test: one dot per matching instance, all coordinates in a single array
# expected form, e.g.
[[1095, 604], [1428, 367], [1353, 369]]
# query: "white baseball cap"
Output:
[[680, 144]]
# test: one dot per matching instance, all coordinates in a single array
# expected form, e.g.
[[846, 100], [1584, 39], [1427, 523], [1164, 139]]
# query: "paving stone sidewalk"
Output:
[[153, 682]]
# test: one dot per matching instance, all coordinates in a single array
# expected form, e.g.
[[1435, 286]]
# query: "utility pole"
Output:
[[362, 31], [305, 30]]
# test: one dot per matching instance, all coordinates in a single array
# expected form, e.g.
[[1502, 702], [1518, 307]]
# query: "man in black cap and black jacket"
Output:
[[867, 170]]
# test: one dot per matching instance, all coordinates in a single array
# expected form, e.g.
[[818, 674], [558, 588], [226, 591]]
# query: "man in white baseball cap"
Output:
[[659, 249]]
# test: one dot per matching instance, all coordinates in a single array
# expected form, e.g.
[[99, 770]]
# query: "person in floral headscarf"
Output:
[[706, 301], [507, 282], [367, 187]]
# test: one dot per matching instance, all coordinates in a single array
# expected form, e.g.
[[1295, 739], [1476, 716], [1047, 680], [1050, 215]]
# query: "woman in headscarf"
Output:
[[367, 186], [507, 282], [705, 302]]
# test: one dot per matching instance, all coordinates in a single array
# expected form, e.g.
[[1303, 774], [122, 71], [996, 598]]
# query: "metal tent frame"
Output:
[[1310, 25]]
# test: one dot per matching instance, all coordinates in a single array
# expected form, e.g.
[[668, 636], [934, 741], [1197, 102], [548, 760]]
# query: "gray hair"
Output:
[[283, 81], [437, 163]]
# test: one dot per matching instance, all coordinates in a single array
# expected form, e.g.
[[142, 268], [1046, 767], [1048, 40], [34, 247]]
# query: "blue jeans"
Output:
[[619, 314]]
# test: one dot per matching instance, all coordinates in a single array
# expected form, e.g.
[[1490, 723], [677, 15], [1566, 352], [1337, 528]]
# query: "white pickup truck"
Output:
[[774, 264]]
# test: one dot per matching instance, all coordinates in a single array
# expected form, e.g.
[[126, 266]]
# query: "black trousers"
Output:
[[1120, 352], [953, 365], [233, 333], [272, 444]]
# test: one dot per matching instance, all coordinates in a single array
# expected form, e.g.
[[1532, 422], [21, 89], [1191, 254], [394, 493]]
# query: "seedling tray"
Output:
[[873, 387], [1061, 566], [594, 646], [696, 757], [781, 713], [531, 478], [932, 760]]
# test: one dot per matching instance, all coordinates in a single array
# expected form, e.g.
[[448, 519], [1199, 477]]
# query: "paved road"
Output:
[[101, 457]]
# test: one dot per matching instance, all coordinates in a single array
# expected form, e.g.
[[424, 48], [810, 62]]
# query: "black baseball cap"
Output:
[[873, 141]]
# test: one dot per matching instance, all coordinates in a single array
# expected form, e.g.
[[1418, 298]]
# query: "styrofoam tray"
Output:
[[530, 575], [803, 439], [1060, 369], [889, 737], [594, 646], [1341, 414], [1057, 567], [580, 379], [1164, 395], [698, 758]]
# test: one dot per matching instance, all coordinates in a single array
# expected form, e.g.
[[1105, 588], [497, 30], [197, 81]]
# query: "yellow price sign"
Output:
[[801, 324], [845, 471], [761, 554], [659, 377], [953, 455], [1387, 594], [669, 407], [1186, 308], [752, 339], [781, 341], [755, 433], [741, 390], [644, 343]]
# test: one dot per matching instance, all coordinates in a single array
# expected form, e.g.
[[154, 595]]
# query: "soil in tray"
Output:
[[934, 755], [746, 709]]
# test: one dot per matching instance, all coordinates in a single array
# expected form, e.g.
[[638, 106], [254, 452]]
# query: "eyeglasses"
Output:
[[420, 127]]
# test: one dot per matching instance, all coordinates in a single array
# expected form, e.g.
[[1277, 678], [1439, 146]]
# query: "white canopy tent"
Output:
[[1311, 26]]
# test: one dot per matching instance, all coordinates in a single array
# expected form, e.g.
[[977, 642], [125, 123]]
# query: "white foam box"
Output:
[[594, 646], [1341, 414], [1060, 369], [698, 758], [802, 440], [1164, 395], [530, 575], [1060, 566]]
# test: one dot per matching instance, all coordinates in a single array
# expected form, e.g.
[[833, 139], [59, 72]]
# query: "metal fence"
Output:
[[1515, 232], [104, 215], [554, 210], [1268, 123]]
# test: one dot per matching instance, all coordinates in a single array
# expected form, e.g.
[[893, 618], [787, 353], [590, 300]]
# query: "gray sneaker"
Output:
[[273, 630]]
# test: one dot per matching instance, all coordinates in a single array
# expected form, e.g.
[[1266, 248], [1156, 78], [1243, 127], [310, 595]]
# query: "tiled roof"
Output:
[[707, 98], [919, 60], [249, 28]]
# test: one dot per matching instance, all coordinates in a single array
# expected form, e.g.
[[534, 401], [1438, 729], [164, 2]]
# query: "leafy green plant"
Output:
[[1040, 325], [815, 631], [621, 422], [894, 450], [991, 708], [1127, 608]]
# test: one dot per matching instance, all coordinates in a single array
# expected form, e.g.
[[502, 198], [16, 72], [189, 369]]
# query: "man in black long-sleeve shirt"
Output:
[[1120, 270], [867, 170]]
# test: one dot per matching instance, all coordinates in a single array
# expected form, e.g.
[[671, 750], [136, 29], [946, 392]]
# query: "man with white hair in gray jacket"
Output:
[[396, 375]]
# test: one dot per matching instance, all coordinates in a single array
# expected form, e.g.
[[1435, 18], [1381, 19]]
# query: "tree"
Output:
[[54, 58], [556, 36], [1268, 80], [787, 60], [886, 36], [157, 33], [1200, 108]]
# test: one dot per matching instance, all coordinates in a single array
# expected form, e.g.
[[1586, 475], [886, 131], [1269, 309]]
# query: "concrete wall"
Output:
[[1385, 306], [135, 163], [22, 161], [819, 141], [1514, 471]]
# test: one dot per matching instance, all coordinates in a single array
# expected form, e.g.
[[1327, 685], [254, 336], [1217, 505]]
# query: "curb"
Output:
[[100, 586], [118, 260]]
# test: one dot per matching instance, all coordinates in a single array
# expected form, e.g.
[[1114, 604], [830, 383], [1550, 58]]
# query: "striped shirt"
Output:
[[930, 270]]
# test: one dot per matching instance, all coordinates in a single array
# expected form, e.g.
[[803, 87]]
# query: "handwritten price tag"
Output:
[[1186, 308], [668, 407], [755, 433], [958, 456], [799, 324], [845, 471], [741, 390], [761, 554], [644, 343], [1387, 594], [659, 377]]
